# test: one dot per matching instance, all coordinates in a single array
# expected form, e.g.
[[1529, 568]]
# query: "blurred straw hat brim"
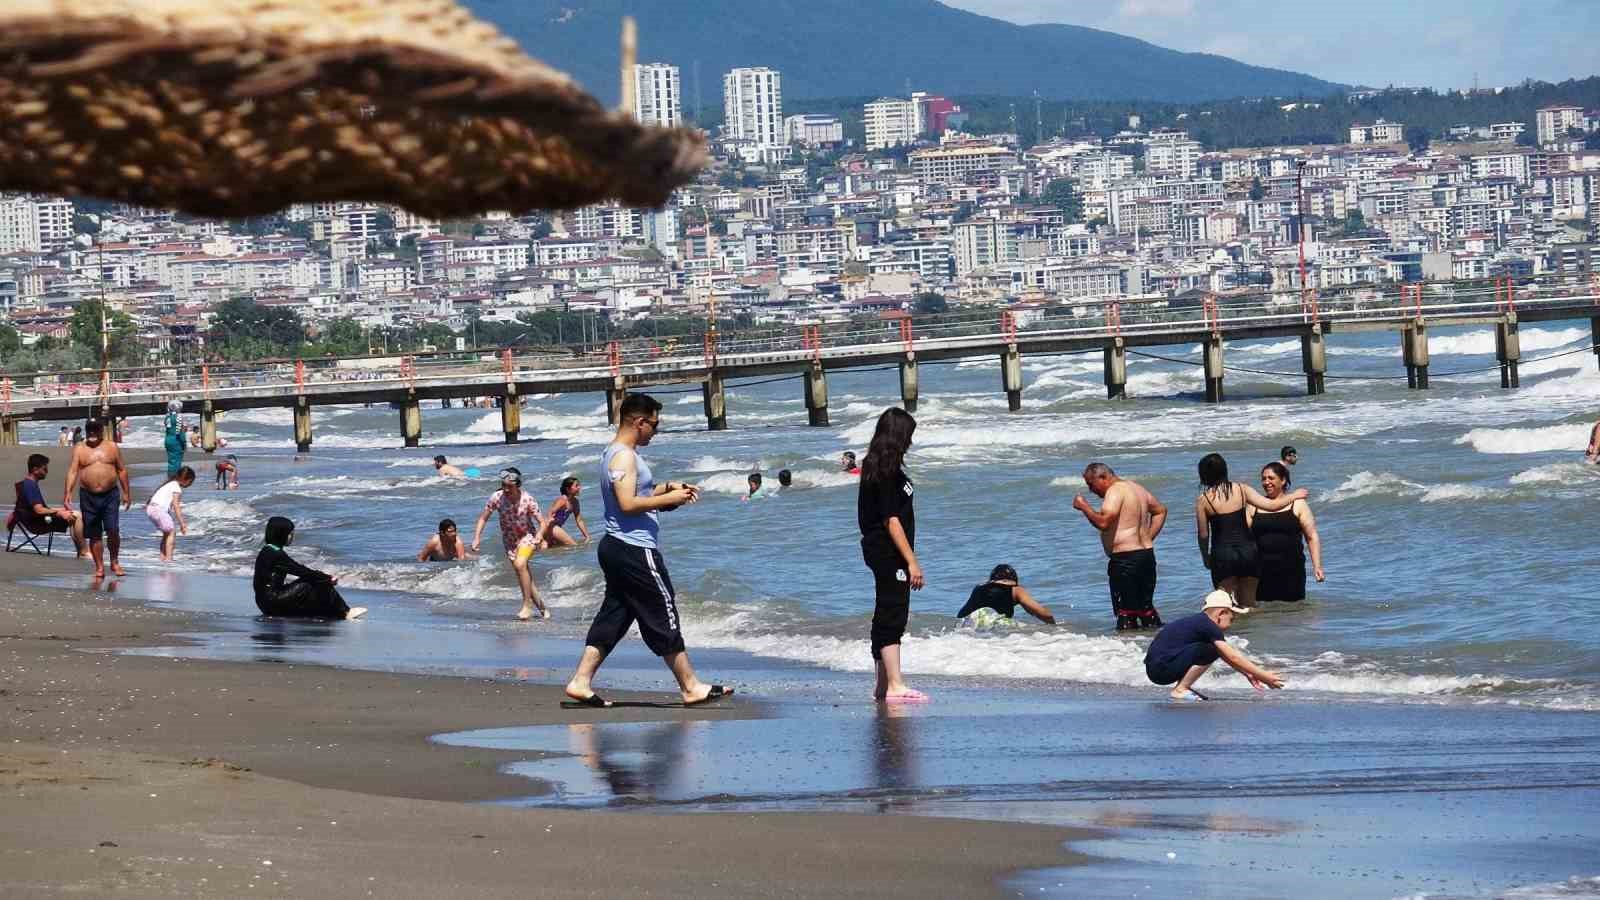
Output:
[[242, 107]]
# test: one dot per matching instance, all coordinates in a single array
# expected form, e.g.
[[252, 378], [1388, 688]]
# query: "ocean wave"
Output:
[[1574, 437], [1559, 473], [1366, 484], [1481, 343]]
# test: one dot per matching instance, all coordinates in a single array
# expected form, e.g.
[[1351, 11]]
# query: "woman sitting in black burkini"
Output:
[[311, 595]]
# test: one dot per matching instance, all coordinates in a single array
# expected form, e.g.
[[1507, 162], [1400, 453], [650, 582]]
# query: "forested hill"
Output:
[[848, 48]]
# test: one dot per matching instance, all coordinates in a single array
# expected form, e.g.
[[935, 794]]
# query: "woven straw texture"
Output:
[[242, 107]]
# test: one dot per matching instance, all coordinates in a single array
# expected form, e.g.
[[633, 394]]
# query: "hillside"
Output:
[[847, 48]]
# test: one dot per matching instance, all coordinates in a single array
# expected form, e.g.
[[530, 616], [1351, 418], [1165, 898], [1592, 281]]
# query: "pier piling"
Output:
[[511, 414], [816, 380], [411, 420], [1213, 365], [715, 402], [1116, 370], [614, 395], [1414, 348], [908, 382], [208, 427], [302, 424], [1594, 337], [1314, 361], [1508, 350], [1011, 376], [8, 432]]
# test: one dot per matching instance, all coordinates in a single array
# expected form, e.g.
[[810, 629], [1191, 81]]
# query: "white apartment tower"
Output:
[[890, 123], [658, 92], [1555, 122], [752, 103]]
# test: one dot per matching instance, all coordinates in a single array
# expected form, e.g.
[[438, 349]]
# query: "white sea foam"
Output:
[[1558, 473], [1481, 343], [1574, 437], [1366, 484]]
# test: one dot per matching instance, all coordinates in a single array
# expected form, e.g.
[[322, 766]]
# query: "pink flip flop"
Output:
[[912, 696]]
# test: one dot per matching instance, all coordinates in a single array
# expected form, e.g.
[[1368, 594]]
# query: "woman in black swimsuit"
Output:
[[1279, 538], [1226, 547], [1003, 593]]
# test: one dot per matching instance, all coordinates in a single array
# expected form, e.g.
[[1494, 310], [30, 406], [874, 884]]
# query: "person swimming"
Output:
[[785, 478], [847, 462], [445, 545], [566, 505], [754, 485], [445, 470], [1003, 593]]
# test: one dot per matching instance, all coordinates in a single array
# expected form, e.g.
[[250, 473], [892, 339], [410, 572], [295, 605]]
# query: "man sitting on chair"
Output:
[[31, 511]]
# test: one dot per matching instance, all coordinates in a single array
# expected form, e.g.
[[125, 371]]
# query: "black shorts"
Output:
[[1234, 561], [101, 512], [40, 525], [1132, 574], [891, 606], [1172, 670], [638, 589]]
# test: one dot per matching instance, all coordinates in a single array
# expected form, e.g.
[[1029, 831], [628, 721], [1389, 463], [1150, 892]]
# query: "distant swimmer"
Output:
[[1593, 453], [785, 478], [520, 527], [1129, 520], [1186, 648], [566, 505], [1288, 456], [64, 439], [847, 462], [312, 595], [194, 435], [445, 545], [228, 473], [753, 484], [1226, 545], [445, 470], [1003, 593]]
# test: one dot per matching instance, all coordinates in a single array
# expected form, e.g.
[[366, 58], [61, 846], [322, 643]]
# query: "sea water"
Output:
[[1458, 619], [1456, 537]]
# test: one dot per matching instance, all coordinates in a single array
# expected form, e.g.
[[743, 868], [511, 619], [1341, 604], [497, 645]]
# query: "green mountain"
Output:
[[850, 48]]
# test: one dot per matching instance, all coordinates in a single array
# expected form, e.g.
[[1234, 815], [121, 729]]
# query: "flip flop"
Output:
[[593, 701], [911, 696], [718, 692], [1198, 694]]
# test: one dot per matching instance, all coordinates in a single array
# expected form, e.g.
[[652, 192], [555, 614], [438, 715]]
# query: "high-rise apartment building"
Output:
[[890, 123], [658, 94], [1556, 122], [752, 102]]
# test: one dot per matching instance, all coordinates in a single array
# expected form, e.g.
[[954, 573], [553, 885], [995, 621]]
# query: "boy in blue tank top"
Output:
[[638, 588]]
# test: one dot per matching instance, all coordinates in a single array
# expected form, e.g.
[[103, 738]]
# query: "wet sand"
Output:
[[152, 776]]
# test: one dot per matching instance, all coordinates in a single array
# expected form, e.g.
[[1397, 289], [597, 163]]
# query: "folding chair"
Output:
[[30, 538]]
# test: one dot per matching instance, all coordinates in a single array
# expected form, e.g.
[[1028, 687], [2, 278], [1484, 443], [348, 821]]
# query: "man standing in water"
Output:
[[638, 588], [1593, 453], [1129, 519], [98, 472], [520, 527]]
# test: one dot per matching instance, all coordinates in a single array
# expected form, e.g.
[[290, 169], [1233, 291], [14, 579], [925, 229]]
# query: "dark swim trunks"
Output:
[[1133, 589], [101, 512]]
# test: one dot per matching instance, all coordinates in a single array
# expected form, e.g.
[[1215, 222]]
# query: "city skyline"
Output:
[[1428, 43]]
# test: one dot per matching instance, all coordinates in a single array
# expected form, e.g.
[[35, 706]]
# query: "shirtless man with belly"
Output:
[[1129, 519], [98, 472]]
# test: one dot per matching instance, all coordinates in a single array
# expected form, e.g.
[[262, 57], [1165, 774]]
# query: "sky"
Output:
[[1433, 43]]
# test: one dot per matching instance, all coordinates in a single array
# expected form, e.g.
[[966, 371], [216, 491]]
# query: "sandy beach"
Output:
[[157, 777]]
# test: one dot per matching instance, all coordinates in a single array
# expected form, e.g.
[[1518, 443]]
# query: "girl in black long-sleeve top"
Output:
[[311, 595]]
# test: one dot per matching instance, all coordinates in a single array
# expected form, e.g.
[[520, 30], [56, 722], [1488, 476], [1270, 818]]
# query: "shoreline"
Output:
[[183, 777]]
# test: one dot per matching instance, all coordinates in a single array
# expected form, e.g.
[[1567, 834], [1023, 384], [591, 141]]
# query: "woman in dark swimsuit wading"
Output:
[[1226, 547]]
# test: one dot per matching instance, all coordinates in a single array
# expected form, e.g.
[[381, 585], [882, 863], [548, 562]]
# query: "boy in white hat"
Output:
[[1185, 648]]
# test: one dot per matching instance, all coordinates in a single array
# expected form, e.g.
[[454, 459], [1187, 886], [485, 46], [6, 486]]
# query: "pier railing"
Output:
[[1182, 319]]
